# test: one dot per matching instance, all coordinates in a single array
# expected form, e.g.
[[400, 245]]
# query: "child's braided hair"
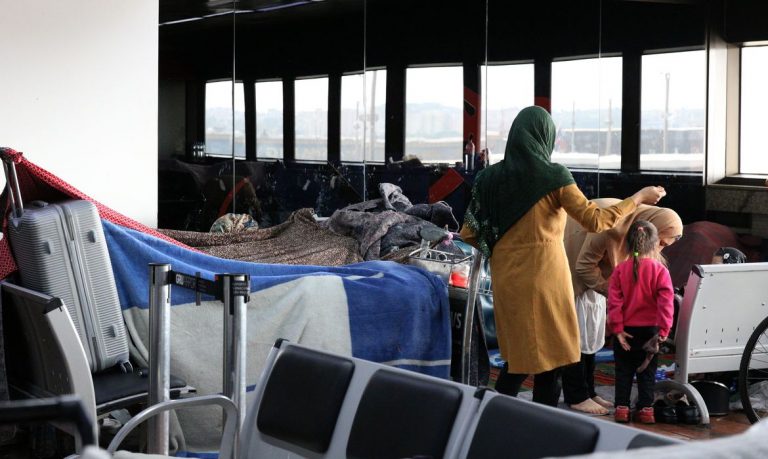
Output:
[[642, 241]]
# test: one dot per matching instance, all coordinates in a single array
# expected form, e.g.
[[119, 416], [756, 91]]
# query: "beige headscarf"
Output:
[[593, 256]]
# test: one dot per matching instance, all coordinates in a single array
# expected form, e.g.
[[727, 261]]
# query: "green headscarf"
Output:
[[505, 191]]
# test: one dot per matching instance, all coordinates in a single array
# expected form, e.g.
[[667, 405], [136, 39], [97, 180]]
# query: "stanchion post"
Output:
[[159, 355], [235, 343]]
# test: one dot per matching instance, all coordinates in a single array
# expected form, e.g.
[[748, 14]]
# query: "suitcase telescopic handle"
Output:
[[14, 192]]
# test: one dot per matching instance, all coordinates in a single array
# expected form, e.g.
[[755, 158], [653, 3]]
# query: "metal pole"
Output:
[[159, 355], [227, 334], [666, 116], [13, 188], [469, 315], [234, 346], [240, 350], [573, 126]]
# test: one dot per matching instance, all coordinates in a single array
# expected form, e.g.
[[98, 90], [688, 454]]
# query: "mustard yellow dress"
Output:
[[532, 290]]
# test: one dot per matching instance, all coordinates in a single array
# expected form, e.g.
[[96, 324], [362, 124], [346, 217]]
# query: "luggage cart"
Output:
[[462, 271], [233, 291]]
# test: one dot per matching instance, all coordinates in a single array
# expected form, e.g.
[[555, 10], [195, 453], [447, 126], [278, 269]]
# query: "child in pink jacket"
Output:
[[640, 311]]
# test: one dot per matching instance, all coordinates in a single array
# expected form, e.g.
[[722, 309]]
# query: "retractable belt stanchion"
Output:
[[159, 355], [231, 289], [235, 290]]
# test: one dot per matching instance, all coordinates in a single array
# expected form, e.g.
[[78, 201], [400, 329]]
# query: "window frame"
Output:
[[295, 159], [484, 98], [459, 155], [245, 135], [597, 57], [256, 120], [654, 52]]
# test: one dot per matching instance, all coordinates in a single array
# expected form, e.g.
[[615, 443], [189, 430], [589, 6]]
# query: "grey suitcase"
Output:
[[61, 251]]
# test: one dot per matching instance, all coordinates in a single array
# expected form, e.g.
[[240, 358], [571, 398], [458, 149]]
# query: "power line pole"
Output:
[[666, 116]]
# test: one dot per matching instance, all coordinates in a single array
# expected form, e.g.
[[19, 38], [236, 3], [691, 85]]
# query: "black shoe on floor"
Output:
[[688, 414], [664, 413]]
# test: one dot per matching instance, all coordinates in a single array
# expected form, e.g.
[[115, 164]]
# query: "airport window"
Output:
[[362, 120], [586, 108], [506, 90], [434, 113], [752, 145], [219, 128], [673, 111], [311, 119], [269, 119]]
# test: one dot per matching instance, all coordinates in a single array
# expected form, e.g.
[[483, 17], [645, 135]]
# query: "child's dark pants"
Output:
[[627, 363]]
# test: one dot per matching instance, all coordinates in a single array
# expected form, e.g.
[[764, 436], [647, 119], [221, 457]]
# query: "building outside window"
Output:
[[311, 119], [269, 119], [362, 121], [586, 108], [352, 117], [220, 136], [506, 89], [434, 114], [673, 111]]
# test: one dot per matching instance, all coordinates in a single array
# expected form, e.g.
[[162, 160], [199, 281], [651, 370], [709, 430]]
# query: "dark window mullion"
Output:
[[289, 119], [631, 80]]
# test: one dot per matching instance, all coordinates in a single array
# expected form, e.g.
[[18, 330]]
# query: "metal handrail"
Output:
[[228, 435]]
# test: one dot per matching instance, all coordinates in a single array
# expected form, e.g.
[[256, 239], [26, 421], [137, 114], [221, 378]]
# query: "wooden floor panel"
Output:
[[719, 426]]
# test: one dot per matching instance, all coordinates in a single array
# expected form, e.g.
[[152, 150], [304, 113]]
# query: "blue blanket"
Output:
[[397, 314]]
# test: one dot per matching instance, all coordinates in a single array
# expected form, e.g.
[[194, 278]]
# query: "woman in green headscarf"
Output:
[[517, 218]]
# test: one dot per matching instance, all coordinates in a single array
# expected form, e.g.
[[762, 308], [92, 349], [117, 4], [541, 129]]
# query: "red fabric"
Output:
[[228, 199], [645, 302], [445, 185], [37, 184]]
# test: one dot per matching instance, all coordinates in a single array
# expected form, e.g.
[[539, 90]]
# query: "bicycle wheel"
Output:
[[753, 374]]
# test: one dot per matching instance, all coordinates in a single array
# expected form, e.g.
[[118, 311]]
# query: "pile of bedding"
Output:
[[389, 224], [300, 240]]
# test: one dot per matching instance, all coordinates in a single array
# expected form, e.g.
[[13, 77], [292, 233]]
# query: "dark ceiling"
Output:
[[181, 10]]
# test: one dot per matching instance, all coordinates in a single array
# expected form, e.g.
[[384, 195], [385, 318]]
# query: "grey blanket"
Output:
[[389, 224]]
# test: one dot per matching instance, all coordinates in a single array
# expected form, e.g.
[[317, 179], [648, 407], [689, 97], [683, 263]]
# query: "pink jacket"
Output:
[[646, 302]]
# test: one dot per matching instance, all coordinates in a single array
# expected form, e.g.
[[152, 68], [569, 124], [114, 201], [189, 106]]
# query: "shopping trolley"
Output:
[[460, 271]]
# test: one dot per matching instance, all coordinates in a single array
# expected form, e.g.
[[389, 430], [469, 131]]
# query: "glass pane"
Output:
[[218, 119], [312, 119], [754, 74], [352, 117], [507, 89], [673, 111], [269, 119], [586, 108], [376, 103], [434, 113]]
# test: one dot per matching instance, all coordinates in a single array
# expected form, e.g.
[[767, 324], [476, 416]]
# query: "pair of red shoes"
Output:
[[643, 415]]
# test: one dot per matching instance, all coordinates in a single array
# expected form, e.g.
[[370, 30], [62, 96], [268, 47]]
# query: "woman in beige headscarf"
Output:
[[592, 258]]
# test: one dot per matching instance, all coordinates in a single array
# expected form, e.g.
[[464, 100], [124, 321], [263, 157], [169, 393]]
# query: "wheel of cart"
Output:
[[461, 272], [753, 374]]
